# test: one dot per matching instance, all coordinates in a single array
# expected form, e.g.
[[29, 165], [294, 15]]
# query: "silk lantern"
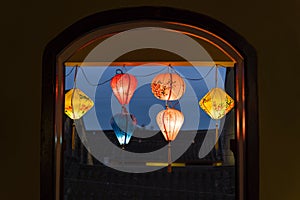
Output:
[[123, 86], [216, 103], [77, 103], [123, 125], [169, 121], [168, 86]]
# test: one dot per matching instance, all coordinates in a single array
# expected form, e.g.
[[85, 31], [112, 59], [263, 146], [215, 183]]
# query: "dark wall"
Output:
[[271, 27]]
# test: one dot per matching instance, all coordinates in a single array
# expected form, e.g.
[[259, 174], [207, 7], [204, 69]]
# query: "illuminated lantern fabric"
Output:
[[77, 103], [216, 103], [168, 86], [170, 122], [123, 86], [123, 125]]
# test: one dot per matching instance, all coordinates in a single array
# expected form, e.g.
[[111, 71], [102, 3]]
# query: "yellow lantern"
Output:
[[77, 103], [169, 122], [216, 103], [168, 86]]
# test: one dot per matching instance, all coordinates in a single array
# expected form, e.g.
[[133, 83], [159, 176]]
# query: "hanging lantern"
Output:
[[169, 122], [123, 125], [168, 86], [77, 103], [216, 103], [123, 86]]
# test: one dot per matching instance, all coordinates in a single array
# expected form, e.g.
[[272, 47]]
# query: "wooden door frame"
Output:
[[247, 142]]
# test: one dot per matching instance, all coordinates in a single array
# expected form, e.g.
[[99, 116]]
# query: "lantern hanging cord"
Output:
[[169, 158], [72, 105], [106, 81], [216, 77], [70, 72], [75, 75], [85, 77], [173, 105], [119, 71], [196, 79], [199, 79], [151, 73], [124, 67], [74, 87], [217, 136]]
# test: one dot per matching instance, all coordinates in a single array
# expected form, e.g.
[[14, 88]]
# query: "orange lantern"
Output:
[[168, 86], [123, 86], [169, 122]]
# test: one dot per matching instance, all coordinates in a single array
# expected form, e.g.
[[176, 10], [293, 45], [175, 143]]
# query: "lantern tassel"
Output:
[[217, 136], [169, 158], [73, 136]]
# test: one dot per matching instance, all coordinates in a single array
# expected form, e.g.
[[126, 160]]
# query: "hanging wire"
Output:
[[85, 77], [73, 94], [70, 72], [195, 79], [146, 75], [216, 77], [102, 83], [151, 73], [124, 66], [217, 125]]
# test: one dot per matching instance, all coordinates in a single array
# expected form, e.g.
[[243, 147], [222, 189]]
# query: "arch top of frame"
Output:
[[221, 52]]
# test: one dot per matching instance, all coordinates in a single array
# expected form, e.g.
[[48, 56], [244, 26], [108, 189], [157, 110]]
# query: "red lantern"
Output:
[[123, 86]]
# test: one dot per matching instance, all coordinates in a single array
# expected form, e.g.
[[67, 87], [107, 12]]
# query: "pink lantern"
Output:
[[123, 86]]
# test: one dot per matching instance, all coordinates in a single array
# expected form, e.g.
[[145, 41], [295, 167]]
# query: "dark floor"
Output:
[[191, 182]]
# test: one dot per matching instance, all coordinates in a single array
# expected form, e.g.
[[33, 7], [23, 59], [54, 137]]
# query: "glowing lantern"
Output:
[[169, 122], [123, 125], [168, 86], [216, 103], [77, 103], [123, 86]]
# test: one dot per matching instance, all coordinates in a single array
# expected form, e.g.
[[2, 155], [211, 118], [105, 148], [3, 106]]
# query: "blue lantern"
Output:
[[123, 125]]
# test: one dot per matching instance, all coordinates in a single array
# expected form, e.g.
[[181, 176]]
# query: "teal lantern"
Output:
[[123, 125]]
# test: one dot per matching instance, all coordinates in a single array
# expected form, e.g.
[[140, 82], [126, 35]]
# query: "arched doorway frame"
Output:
[[204, 27]]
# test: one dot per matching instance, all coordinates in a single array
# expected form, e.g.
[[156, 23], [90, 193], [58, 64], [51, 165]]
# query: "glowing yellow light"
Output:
[[216, 103], [77, 103]]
